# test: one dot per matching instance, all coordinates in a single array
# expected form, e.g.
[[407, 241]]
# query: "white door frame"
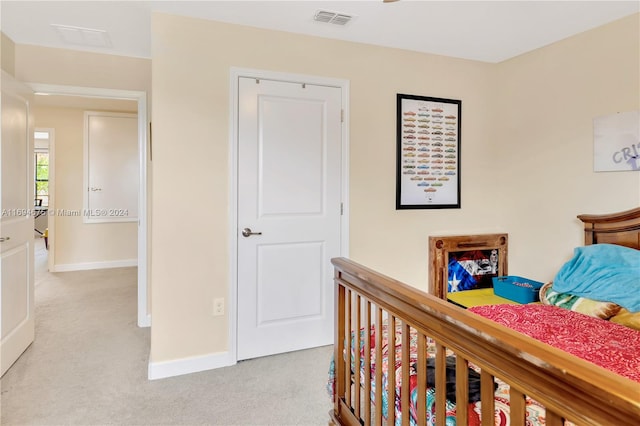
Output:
[[144, 316], [235, 74]]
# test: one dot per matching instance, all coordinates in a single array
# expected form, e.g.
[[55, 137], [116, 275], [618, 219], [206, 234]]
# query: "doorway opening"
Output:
[[67, 95], [43, 147]]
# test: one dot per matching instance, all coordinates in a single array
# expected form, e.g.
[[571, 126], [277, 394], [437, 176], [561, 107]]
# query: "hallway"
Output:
[[88, 365]]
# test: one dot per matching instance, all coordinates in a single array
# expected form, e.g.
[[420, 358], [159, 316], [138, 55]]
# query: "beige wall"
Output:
[[74, 241], [191, 118], [526, 154], [7, 54], [545, 106], [36, 64]]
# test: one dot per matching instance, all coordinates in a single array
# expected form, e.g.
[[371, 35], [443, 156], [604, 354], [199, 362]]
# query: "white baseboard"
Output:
[[67, 267], [144, 321], [164, 369]]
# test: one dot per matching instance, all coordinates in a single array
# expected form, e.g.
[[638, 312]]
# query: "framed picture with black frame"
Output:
[[428, 152]]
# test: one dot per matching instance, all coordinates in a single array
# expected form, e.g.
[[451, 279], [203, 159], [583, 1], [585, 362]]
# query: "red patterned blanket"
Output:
[[606, 344]]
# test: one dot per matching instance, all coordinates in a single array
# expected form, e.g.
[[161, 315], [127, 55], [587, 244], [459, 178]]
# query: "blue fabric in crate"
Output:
[[604, 272]]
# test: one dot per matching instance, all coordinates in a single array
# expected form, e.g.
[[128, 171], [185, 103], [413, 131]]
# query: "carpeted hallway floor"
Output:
[[88, 366]]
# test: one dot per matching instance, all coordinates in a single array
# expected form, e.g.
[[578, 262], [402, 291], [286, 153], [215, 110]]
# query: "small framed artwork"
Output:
[[616, 142], [428, 153]]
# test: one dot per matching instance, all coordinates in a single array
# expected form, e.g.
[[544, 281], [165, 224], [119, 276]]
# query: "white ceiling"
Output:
[[490, 31]]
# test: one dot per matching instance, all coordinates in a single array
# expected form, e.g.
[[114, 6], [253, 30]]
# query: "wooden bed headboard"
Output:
[[621, 228]]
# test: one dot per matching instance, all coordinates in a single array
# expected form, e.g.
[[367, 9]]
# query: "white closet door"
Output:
[[289, 195], [111, 167]]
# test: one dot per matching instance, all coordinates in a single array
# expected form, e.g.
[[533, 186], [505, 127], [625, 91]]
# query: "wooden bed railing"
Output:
[[568, 387]]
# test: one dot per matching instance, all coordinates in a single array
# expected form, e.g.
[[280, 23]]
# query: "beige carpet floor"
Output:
[[88, 366]]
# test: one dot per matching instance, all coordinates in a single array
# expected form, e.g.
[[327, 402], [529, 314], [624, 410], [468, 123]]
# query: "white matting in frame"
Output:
[[616, 142]]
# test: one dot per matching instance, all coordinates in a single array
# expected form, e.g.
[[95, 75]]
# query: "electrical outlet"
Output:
[[218, 306]]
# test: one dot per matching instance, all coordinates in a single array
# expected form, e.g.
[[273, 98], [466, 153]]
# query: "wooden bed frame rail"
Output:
[[568, 387]]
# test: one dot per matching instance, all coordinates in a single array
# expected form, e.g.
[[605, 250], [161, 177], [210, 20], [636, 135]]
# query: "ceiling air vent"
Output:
[[83, 36], [332, 17]]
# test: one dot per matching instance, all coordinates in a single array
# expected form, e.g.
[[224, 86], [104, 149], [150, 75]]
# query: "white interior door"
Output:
[[16, 224], [111, 167], [289, 196]]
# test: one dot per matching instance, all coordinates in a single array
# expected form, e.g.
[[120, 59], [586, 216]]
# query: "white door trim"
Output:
[[235, 74], [144, 316]]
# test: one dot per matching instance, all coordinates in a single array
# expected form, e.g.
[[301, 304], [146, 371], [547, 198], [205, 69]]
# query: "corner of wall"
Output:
[[7, 55]]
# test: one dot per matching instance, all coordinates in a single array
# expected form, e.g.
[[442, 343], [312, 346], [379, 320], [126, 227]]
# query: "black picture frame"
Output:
[[428, 152]]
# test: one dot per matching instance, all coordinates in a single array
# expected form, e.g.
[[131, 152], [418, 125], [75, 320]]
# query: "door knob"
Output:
[[3, 239], [246, 232]]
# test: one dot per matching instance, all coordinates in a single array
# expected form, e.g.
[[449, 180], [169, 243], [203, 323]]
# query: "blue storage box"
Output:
[[518, 289]]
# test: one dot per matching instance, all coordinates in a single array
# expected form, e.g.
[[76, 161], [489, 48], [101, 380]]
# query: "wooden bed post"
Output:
[[339, 343]]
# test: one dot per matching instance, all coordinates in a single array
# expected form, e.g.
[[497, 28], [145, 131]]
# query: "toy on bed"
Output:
[[552, 365]]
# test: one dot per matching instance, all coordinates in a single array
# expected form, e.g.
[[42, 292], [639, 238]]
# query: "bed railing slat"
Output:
[[379, 335], [367, 362], [441, 384], [517, 407], [404, 391], [357, 388], [462, 391], [422, 379], [347, 336], [391, 377], [552, 419], [486, 396], [338, 357]]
